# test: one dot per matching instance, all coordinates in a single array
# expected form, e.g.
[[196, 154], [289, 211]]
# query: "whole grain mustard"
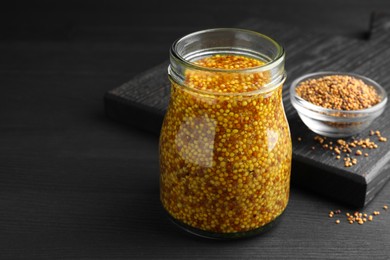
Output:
[[225, 150]]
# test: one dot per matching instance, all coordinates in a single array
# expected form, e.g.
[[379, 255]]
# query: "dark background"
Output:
[[77, 185]]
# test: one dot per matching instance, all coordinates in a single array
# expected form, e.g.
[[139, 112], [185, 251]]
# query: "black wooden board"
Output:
[[143, 100]]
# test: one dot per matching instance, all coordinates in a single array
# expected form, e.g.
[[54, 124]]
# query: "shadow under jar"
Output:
[[225, 145]]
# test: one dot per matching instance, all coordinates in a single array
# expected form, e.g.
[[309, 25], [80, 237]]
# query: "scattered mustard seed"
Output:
[[354, 161], [349, 147], [358, 217]]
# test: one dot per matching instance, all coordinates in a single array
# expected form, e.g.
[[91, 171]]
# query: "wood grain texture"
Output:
[[77, 185], [143, 101]]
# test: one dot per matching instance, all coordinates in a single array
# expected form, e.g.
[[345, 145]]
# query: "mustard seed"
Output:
[[344, 147], [215, 165], [338, 92]]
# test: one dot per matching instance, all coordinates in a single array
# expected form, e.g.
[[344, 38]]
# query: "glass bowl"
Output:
[[332, 122]]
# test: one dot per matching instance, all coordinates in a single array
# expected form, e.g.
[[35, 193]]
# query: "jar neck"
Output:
[[186, 50]]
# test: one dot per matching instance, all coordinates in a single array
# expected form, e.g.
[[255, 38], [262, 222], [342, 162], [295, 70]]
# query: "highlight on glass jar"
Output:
[[225, 145]]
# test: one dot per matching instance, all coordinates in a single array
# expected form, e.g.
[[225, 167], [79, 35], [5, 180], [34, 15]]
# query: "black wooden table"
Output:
[[76, 185]]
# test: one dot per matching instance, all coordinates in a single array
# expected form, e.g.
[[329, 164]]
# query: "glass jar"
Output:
[[225, 145]]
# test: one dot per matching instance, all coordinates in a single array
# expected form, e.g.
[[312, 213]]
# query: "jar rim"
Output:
[[267, 66], [180, 60]]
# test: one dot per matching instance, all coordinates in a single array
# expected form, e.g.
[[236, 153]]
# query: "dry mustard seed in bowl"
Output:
[[340, 92], [337, 104]]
